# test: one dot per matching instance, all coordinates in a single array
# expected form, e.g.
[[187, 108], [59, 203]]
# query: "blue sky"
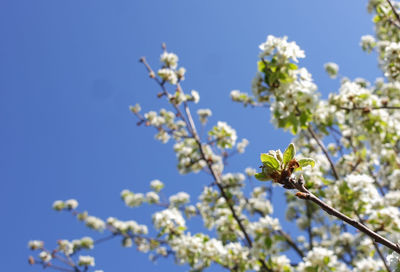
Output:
[[69, 70]]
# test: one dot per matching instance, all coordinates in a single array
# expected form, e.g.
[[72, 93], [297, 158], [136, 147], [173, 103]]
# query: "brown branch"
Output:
[[374, 241], [59, 268], [216, 176], [55, 267], [376, 247], [394, 23], [307, 195], [104, 239], [287, 237], [218, 182], [67, 261], [394, 10], [309, 227], [376, 181], [291, 243], [368, 108], [382, 257], [321, 145]]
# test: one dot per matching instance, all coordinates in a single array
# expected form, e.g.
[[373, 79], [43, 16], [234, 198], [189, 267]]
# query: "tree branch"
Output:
[[321, 145], [309, 227], [374, 241], [307, 195], [291, 243], [216, 176], [368, 108], [394, 10], [217, 180], [376, 247]]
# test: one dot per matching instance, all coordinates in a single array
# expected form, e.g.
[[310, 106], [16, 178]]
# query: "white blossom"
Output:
[[241, 146], [71, 204], [250, 171], [393, 261], [86, 261], [132, 199], [367, 43], [169, 220], [179, 199], [169, 75], [391, 61], [95, 223], [284, 49], [203, 115], [195, 96], [66, 247], [331, 69], [45, 256], [368, 265], [152, 197], [35, 244], [224, 134], [156, 185], [321, 258], [135, 109], [169, 59], [58, 205]]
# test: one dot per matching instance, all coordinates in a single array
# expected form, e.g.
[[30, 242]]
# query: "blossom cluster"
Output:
[[70, 204], [289, 90], [169, 71]]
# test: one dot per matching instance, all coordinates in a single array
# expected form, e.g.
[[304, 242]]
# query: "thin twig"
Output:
[[309, 227], [368, 108], [376, 247], [291, 243], [288, 239], [377, 183], [394, 23], [104, 239], [59, 268], [55, 267], [68, 261], [321, 145], [394, 10]]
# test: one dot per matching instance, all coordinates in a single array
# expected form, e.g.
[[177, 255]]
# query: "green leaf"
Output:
[[268, 242], [261, 66], [304, 118], [287, 269], [262, 177], [289, 153], [343, 188], [376, 19], [292, 66], [269, 161], [306, 162]]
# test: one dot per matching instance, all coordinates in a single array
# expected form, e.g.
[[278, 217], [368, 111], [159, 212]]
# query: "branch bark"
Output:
[[307, 195], [396, 14], [321, 145], [374, 241], [291, 243], [216, 176]]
